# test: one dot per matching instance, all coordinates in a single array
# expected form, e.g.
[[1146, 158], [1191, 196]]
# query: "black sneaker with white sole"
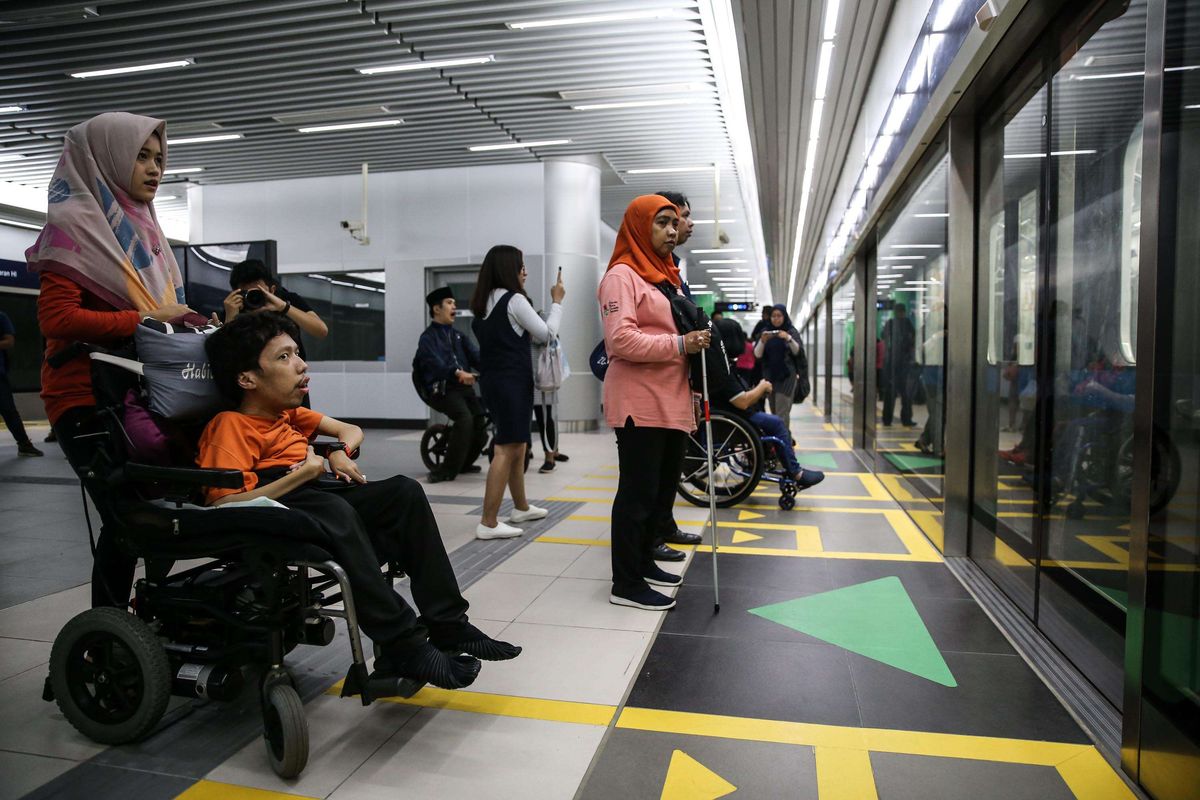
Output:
[[647, 599], [660, 577]]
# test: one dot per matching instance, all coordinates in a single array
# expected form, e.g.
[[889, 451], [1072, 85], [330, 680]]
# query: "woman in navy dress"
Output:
[[504, 324]]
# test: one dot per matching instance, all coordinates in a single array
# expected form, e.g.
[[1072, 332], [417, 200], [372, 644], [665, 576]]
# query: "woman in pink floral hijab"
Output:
[[104, 264]]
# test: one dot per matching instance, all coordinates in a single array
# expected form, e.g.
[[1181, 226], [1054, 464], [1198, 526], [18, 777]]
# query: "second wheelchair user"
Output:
[[447, 362], [728, 393], [256, 365]]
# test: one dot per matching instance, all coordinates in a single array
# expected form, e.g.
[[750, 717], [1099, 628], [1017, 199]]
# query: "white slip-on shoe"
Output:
[[528, 515], [501, 531]]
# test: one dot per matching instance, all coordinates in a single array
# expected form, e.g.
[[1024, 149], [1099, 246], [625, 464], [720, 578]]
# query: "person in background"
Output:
[[543, 417], [731, 333], [647, 399], [504, 324], [104, 264], [256, 289], [8, 405], [777, 348], [899, 345], [762, 324], [447, 362]]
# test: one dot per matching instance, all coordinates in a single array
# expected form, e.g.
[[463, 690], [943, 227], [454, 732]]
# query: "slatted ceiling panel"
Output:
[[780, 45], [257, 60]]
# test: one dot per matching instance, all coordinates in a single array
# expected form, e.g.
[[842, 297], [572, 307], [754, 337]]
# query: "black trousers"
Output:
[[893, 385], [650, 460], [390, 520], [469, 432], [79, 434], [544, 414], [8, 411]]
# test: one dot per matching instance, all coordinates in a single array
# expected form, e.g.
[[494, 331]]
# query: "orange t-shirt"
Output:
[[233, 440]]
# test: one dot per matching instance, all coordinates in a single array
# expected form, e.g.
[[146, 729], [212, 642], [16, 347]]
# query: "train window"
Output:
[[1131, 226]]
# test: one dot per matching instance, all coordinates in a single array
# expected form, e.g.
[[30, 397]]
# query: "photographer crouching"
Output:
[[256, 289]]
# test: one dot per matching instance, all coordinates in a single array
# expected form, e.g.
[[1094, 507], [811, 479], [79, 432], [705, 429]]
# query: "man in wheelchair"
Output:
[[728, 393], [256, 365]]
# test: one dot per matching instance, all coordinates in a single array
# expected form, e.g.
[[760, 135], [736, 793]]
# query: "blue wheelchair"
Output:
[[742, 458]]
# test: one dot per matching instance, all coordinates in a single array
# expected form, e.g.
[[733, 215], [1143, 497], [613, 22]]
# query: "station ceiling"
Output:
[[263, 69]]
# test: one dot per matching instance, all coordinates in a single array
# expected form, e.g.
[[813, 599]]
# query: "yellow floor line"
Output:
[[844, 774], [911, 536], [569, 540], [1089, 776], [213, 790], [874, 487], [501, 705], [921, 743], [931, 526]]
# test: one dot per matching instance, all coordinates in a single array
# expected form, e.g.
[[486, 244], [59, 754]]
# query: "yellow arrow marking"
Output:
[[688, 779], [745, 515], [742, 536]]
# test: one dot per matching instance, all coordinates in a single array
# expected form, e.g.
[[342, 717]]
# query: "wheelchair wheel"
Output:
[[285, 730], [110, 676], [434, 442], [737, 463]]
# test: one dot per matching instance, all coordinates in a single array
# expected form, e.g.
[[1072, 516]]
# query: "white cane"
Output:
[[712, 494]]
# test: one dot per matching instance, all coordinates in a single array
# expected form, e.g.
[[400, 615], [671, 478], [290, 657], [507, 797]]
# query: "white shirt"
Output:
[[523, 318]]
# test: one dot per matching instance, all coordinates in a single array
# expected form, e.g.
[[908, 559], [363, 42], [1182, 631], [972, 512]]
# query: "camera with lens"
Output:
[[253, 299]]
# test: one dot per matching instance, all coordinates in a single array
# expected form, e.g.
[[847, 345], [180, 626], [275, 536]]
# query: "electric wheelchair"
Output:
[[203, 631], [742, 458]]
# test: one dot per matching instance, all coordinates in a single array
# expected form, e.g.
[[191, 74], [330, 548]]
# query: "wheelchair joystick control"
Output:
[[212, 681]]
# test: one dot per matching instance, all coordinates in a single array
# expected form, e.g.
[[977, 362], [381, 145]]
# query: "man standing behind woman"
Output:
[[778, 351], [504, 324], [647, 400]]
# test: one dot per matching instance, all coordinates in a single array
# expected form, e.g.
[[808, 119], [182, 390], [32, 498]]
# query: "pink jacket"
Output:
[[647, 374]]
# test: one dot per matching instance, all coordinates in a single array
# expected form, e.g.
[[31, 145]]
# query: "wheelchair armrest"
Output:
[[322, 449], [185, 476]]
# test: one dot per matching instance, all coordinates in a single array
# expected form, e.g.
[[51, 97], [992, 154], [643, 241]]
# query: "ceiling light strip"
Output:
[[411, 66], [820, 86], [160, 65], [351, 126], [486, 148], [216, 137]]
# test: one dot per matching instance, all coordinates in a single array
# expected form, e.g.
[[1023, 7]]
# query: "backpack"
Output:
[[551, 368], [598, 360]]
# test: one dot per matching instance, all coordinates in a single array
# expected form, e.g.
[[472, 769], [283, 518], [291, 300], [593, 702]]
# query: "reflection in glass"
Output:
[[910, 298], [843, 359], [352, 305]]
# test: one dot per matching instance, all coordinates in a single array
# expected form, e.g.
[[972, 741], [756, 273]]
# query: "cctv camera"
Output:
[[345, 223], [723, 237]]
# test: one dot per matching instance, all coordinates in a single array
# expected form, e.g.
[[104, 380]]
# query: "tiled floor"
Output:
[[604, 702]]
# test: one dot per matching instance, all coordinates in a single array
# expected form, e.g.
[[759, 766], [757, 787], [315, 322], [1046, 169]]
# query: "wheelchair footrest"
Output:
[[391, 686]]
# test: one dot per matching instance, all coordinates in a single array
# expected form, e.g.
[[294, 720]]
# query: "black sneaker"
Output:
[[474, 642], [561, 457], [27, 449], [471, 469], [808, 477], [660, 577], [427, 664], [647, 599], [440, 477]]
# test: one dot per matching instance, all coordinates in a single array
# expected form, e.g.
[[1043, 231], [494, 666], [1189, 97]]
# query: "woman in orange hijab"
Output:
[[647, 400]]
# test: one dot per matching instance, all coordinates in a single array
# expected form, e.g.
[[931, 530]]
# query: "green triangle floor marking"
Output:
[[913, 463], [817, 460], [876, 619]]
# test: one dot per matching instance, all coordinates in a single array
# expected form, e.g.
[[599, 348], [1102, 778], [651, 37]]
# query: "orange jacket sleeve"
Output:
[[61, 314]]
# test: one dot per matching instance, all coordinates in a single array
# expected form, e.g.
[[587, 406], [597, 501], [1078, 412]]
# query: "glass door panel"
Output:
[[843, 353], [1170, 701], [1094, 171], [1011, 188]]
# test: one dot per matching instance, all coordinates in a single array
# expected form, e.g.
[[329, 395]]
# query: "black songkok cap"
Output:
[[436, 297]]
